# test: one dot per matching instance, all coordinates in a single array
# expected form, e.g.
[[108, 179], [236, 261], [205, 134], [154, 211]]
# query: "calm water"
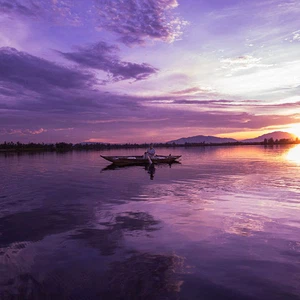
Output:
[[222, 224]]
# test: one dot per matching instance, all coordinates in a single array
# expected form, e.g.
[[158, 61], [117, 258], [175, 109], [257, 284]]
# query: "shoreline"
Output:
[[62, 147]]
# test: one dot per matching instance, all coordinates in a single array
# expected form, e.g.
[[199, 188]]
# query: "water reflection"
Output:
[[245, 224], [24, 286], [113, 166], [293, 154], [34, 225], [151, 170], [108, 239], [70, 232], [145, 276]]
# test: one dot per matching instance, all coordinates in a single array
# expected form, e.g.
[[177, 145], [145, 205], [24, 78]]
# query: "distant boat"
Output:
[[140, 160]]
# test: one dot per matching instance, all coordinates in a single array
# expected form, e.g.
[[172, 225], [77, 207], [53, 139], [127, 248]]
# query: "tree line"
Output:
[[62, 146]]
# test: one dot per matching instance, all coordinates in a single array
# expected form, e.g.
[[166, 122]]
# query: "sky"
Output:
[[140, 71]]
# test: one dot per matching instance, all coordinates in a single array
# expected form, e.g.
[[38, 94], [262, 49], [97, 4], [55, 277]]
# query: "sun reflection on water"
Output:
[[294, 154]]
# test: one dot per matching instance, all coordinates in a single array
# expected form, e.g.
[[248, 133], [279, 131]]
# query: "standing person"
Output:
[[150, 153]]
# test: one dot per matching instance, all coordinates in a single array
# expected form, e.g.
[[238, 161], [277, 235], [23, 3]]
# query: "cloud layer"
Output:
[[135, 21], [53, 11], [104, 57], [44, 101], [25, 8], [36, 74], [236, 70]]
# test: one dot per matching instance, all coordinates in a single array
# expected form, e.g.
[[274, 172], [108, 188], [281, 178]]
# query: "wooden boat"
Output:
[[140, 160]]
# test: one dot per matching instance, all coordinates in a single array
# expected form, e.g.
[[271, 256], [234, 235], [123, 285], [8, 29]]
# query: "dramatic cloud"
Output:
[[30, 72], [104, 57], [115, 118], [137, 20], [133, 21], [26, 8], [36, 93], [60, 95]]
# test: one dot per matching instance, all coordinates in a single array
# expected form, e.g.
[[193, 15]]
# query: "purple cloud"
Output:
[[134, 21], [35, 85], [104, 57], [115, 118], [25, 8], [36, 93], [231, 104], [20, 69], [137, 20], [53, 11], [41, 101], [193, 91], [22, 132], [190, 91], [209, 103]]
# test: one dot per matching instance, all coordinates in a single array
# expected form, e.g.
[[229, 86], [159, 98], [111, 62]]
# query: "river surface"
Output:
[[224, 223]]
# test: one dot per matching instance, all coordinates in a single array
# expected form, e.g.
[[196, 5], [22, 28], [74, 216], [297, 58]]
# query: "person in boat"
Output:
[[150, 153]]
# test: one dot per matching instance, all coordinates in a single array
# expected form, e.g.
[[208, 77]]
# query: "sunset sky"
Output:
[[148, 70]]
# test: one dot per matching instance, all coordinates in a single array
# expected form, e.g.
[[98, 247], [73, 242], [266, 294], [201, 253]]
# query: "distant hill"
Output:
[[202, 139], [276, 135]]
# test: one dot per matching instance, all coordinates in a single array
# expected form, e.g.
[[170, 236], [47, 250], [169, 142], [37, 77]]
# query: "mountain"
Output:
[[202, 139], [276, 135]]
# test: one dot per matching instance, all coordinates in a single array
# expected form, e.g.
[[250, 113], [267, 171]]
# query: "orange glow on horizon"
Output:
[[140, 136], [294, 129], [243, 135]]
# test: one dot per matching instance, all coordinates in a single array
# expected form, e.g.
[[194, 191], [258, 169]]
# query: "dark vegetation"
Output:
[[62, 147]]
